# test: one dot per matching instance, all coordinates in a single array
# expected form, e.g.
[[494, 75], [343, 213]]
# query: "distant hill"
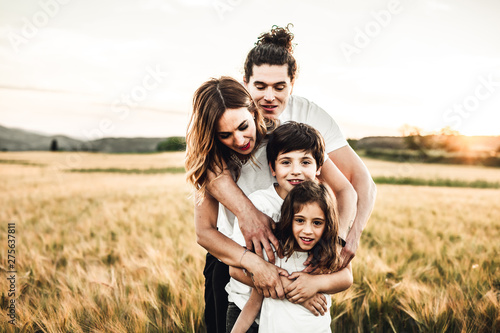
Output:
[[126, 145], [13, 139], [474, 143], [389, 142]]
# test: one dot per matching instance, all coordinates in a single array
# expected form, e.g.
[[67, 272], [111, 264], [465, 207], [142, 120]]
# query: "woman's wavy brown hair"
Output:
[[272, 48], [326, 251], [204, 151]]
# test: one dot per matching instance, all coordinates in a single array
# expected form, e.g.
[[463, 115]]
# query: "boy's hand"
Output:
[[256, 228], [301, 289], [316, 304]]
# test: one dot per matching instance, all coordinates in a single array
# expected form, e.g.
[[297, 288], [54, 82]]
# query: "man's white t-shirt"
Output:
[[256, 177]]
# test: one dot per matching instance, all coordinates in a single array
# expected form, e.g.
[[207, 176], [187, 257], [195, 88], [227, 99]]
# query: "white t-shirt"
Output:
[[277, 315], [283, 316], [269, 202], [257, 177]]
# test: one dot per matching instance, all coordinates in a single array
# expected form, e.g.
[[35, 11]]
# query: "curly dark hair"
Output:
[[293, 136], [272, 48], [326, 251]]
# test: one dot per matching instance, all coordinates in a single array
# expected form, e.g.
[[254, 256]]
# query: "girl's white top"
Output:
[[283, 316]]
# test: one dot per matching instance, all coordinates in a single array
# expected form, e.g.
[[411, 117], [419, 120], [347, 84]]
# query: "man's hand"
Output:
[[255, 225], [316, 304], [256, 228], [349, 250], [301, 289]]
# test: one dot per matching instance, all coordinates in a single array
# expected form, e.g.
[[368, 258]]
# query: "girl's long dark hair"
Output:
[[326, 251]]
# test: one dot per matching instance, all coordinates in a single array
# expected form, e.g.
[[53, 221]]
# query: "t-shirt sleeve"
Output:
[[324, 123]]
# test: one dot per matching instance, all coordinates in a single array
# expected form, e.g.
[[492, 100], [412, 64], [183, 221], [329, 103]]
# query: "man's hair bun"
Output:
[[278, 36], [273, 48]]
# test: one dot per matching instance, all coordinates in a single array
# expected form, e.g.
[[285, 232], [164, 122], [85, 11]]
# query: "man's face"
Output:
[[270, 88]]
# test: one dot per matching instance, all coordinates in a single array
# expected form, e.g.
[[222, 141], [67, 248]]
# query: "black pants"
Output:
[[233, 311], [216, 277]]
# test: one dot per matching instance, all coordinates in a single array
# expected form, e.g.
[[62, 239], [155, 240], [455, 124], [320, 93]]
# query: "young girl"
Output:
[[308, 225]]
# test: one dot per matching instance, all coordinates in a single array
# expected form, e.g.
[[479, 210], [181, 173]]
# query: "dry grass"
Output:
[[102, 252], [429, 262], [117, 253]]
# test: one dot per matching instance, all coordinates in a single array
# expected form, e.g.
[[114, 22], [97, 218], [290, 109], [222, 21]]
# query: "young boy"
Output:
[[296, 153]]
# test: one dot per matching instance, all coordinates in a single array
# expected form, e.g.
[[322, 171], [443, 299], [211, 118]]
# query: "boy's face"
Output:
[[293, 168]]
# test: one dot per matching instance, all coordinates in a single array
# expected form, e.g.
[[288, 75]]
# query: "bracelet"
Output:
[[246, 250]]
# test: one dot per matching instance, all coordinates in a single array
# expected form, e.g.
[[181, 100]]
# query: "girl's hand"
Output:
[[301, 289], [316, 304]]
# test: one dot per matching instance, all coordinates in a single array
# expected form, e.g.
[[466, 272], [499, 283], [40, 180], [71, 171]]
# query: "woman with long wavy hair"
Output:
[[224, 132]]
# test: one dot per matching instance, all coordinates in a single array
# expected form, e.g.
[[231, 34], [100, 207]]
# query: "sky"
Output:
[[93, 69]]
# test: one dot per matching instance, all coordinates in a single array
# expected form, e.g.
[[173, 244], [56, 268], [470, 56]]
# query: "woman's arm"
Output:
[[306, 285], [264, 274], [240, 276], [249, 313], [255, 225]]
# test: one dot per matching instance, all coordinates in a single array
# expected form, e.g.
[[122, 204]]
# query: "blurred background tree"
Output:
[[53, 145], [174, 143]]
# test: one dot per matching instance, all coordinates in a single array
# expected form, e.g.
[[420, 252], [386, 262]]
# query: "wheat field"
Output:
[[116, 252]]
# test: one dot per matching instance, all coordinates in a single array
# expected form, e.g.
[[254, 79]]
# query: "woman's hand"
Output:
[[265, 276], [316, 304], [301, 289]]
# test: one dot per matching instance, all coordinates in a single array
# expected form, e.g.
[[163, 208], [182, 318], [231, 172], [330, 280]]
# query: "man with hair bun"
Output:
[[270, 72]]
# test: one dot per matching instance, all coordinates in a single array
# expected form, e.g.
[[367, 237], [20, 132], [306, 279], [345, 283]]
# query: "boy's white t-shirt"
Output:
[[257, 177], [269, 202]]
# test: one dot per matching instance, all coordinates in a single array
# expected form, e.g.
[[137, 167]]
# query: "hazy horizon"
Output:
[[134, 137]]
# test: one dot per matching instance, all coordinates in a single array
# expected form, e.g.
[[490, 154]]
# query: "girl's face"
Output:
[[236, 130], [308, 226]]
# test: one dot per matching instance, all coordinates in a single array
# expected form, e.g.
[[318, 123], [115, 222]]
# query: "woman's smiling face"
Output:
[[236, 130]]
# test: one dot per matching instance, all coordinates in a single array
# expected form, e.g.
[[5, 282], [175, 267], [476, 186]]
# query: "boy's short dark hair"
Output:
[[292, 136]]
